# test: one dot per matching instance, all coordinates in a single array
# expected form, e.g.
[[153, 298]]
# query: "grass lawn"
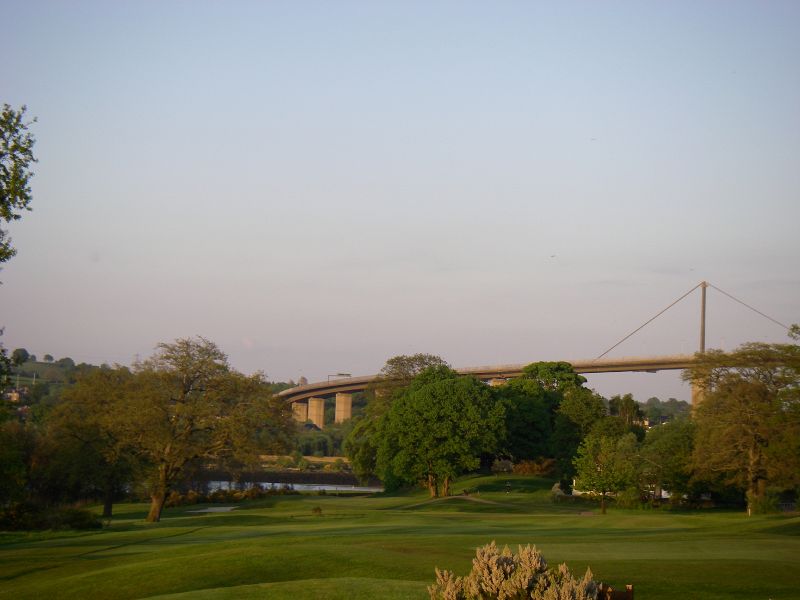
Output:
[[387, 547]]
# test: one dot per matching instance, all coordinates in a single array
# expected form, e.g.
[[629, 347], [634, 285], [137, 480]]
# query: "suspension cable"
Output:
[[650, 320], [748, 306]]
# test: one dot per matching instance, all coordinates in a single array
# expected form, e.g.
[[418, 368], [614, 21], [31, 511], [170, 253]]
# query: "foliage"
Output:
[[404, 368], [361, 446], [438, 429], [19, 356], [529, 412], [578, 412], [17, 444], [626, 408], [16, 157], [185, 403], [554, 376], [606, 463], [362, 441], [544, 467], [326, 442], [656, 411], [5, 364], [152, 426], [748, 424], [666, 458], [87, 452], [497, 575], [29, 516]]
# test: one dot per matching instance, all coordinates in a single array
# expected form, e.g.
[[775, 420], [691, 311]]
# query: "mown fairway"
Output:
[[387, 547]]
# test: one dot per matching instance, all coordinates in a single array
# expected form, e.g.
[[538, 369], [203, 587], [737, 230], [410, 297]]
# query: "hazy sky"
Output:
[[318, 186]]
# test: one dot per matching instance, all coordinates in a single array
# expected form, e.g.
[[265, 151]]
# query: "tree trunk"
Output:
[[157, 499], [158, 495], [432, 487], [603, 503], [757, 488], [446, 487], [108, 502]]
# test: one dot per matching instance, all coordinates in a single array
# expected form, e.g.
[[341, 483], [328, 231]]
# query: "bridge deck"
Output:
[[320, 389]]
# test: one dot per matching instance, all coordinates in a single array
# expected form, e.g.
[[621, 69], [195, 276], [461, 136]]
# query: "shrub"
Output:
[[502, 575], [30, 516], [629, 498], [76, 518], [502, 465], [174, 499], [542, 466]]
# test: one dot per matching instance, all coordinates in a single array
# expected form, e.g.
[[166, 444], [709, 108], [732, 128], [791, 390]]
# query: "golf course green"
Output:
[[386, 546]]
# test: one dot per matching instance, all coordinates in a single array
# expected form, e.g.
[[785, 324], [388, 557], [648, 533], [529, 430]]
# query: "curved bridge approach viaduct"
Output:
[[308, 401]]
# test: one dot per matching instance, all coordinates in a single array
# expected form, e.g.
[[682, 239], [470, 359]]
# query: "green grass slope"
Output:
[[387, 546]]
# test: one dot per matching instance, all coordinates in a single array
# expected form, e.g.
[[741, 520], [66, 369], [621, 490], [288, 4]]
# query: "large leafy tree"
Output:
[[184, 404], [438, 429], [748, 424], [529, 418], [20, 356], [362, 442], [666, 455], [86, 435], [606, 463], [557, 376], [626, 408], [578, 413]]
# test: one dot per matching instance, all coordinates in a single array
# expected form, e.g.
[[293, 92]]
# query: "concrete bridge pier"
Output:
[[698, 394], [300, 411], [316, 411], [344, 407]]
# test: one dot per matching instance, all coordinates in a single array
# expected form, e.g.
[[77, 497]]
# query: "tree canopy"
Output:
[[183, 404], [748, 424], [606, 463], [438, 429]]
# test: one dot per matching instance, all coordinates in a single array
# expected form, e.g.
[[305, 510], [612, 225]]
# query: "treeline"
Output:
[[426, 425], [143, 429]]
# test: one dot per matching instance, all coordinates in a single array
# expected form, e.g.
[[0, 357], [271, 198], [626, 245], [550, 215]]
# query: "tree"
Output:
[[606, 464], [626, 408], [529, 418], [5, 364], [579, 411], [362, 442], [666, 455], [65, 363], [20, 356], [16, 157], [397, 374], [748, 424], [438, 429], [48, 358], [186, 404], [87, 421], [555, 376]]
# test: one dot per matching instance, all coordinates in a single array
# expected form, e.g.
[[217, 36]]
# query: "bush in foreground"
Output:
[[503, 575]]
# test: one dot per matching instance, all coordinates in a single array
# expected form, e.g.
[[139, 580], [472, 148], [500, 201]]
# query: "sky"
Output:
[[319, 186]]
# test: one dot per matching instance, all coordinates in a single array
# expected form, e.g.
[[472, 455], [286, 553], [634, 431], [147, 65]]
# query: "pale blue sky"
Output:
[[318, 186]]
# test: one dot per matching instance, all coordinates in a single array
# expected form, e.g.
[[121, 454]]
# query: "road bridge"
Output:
[[308, 401]]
